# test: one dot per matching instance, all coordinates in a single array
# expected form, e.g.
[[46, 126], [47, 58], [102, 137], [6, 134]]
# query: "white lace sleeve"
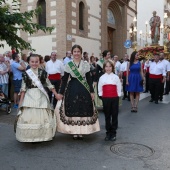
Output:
[[67, 68], [49, 85], [86, 67]]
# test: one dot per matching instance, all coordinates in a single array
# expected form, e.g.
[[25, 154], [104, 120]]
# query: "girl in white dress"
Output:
[[36, 118]]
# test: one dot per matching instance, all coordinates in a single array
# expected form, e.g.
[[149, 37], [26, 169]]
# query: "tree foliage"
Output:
[[12, 20]]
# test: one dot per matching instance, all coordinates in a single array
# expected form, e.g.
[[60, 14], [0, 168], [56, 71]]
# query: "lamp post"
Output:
[[165, 30], [164, 25], [145, 35], [133, 32], [135, 27]]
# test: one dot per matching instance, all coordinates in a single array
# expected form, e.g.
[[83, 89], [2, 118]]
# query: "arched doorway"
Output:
[[114, 26], [110, 39], [110, 30]]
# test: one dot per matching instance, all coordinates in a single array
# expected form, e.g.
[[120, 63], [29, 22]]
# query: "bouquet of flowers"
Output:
[[148, 52]]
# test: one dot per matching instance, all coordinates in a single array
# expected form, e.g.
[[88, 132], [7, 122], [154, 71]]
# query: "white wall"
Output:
[[6, 48], [94, 7], [95, 28], [145, 9], [42, 44]]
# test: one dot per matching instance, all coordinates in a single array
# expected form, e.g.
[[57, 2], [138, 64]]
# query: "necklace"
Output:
[[77, 65]]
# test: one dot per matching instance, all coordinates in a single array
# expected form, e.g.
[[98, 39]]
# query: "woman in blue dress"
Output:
[[134, 80]]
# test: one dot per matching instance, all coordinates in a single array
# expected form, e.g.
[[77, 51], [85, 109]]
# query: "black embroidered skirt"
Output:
[[78, 101]]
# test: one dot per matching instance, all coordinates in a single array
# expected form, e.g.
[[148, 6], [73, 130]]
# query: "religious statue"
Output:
[[155, 23]]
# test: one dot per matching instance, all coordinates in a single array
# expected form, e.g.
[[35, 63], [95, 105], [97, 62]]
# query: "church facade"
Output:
[[96, 25]]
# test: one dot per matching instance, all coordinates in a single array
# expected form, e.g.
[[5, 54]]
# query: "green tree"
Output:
[[13, 20]]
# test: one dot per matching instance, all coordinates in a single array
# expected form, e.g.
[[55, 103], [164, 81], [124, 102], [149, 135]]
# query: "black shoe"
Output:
[[80, 137], [156, 102], [135, 109], [112, 137], [165, 93], [128, 99], [132, 109], [145, 91], [123, 98], [160, 100], [151, 100], [107, 138]]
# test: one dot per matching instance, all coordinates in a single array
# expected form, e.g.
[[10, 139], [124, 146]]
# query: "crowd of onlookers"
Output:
[[13, 64]]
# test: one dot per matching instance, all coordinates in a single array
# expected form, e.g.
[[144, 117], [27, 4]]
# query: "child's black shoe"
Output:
[[112, 137], [107, 138]]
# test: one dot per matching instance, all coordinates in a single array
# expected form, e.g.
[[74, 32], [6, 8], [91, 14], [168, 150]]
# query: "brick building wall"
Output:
[[97, 34]]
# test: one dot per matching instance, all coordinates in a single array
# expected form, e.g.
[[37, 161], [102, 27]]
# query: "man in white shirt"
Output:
[[4, 77], [8, 57], [165, 63], [55, 70], [146, 74], [156, 78], [67, 58], [117, 65], [123, 71]]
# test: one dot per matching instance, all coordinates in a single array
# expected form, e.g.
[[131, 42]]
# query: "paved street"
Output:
[[143, 143]]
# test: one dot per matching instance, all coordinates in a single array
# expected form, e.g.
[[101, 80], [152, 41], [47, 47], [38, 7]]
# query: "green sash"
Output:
[[100, 62], [78, 75]]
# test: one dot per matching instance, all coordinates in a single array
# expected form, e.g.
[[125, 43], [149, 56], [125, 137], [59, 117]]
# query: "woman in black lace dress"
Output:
[[99, 72], [76, 113]]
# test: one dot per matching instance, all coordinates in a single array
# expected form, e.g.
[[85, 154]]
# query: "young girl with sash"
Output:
[[99, 72], [109, 88], [76, 113], [36, 119]]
